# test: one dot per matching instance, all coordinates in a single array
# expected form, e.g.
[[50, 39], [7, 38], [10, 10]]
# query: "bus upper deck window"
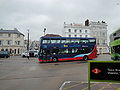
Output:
[[63, 41], [75, 41], [55, 41], [84, 41], [68, 41], [44, 41], [92, 40]]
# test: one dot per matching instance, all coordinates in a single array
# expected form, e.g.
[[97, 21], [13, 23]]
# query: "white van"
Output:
[[32, 53]]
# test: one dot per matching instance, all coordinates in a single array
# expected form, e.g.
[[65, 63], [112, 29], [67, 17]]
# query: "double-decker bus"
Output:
[[66, 48], [115, 45]]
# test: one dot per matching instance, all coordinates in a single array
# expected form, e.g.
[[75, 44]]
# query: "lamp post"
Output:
[[44, 31], [28, 41]]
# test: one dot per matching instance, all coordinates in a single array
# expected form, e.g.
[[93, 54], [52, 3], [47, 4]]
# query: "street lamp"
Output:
[[44, 31], [28, 41]]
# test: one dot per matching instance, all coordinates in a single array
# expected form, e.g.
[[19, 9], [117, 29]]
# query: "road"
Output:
[[18, 73]]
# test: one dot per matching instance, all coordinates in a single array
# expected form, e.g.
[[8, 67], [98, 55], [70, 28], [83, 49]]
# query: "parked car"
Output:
[[25, 54], [31, 53], [4, 54]]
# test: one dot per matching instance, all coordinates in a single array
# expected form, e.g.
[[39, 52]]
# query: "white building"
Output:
[[89, 29], [12, 40], [76, 30]]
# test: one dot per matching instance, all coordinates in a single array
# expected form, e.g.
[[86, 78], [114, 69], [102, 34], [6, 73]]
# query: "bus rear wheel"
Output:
[[85, 58], [54, 59]]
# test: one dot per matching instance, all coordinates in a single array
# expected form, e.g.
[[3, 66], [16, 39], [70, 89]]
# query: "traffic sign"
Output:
[[103, 71]]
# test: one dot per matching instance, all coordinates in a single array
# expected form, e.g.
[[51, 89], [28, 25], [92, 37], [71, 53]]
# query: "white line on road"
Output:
[[64, 84]]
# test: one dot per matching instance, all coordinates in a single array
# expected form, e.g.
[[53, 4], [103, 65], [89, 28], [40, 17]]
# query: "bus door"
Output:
[[44, 54]]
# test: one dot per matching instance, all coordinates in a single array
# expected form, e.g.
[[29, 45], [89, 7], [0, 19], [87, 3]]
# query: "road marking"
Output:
[[105, 86], [71, 86], [61, 88], [90, 86]]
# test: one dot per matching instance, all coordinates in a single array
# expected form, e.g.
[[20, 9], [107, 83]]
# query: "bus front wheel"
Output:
[[54, 59], [85, 58]]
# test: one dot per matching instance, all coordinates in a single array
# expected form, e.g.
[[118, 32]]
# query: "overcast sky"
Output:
[[37, 14]]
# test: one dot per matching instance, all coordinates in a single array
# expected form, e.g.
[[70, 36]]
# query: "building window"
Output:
[[80, 35], [15, 51], [104, 42], [10, 51], [69, 35], [9, 35], [1, 34], [15, 42], [69, 30], [6, 50], [85, 31], [98, 42], [0, 42], [18, 42], [80, 31], [18, 35], [75, 35], [103, 34], [2, 49], [8, 42], [18, 50], [75, 30], [86, 35]]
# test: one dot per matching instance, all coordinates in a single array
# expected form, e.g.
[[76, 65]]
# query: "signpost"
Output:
[[103, 71]]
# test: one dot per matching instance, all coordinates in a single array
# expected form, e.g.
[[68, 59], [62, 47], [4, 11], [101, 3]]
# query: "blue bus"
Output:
[[53, 49]]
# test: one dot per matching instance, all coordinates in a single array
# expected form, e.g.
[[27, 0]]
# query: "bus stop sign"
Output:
[[104, 71]]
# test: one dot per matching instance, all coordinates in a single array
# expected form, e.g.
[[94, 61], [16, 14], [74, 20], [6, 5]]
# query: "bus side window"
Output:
[[63, 41], [84, 41], [44, 41]]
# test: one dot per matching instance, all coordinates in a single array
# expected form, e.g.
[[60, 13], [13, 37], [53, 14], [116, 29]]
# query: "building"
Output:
[[89, 29], [34, 45], [76, 30], [26, 44], [12, 41]]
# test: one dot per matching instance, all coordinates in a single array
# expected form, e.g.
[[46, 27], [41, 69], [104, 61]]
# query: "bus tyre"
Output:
[[85, 58], [54, 59]]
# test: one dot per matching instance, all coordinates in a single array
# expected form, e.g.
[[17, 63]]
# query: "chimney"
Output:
[[87, 22], [1, 29]]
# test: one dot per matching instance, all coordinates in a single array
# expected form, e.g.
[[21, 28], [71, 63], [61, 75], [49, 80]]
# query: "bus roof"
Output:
[[67, 37], [118, 30], [115, 43]]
